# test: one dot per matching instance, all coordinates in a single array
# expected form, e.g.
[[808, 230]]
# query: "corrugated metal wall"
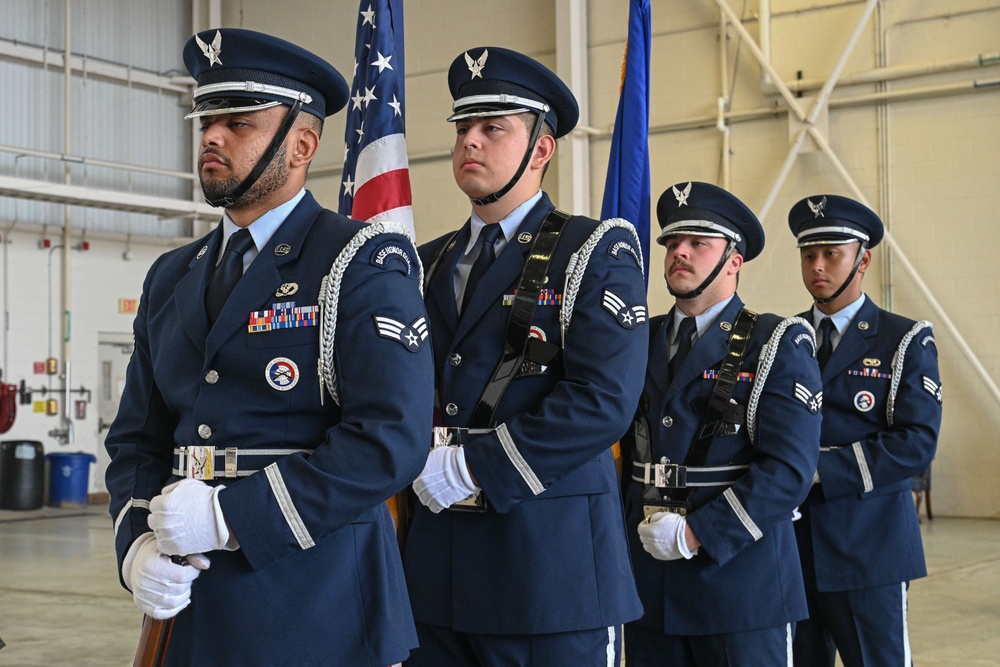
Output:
[[112, 119]]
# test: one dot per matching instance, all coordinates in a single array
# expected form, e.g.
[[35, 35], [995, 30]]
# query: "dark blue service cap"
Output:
[[242, 70], [703, 209], [831, 220], [493, 81]]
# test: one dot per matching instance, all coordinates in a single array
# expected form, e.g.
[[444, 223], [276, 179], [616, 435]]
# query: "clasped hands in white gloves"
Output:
[[663, 536], [160, 587], [445, 479], [187, 519]]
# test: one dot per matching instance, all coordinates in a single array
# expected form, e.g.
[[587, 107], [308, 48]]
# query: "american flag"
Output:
[[376, 182]]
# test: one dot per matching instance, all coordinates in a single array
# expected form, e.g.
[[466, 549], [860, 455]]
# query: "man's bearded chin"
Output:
[[216, 188]]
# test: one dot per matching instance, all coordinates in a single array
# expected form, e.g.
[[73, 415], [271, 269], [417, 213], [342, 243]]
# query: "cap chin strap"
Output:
[[857, 262], [708, 281], [230, 200], [489, 199]]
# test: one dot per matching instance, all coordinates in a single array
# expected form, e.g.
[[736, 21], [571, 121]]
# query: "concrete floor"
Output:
[[61, 604]]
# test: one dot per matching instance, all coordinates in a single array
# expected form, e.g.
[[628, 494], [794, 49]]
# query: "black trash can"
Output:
[[22, 475]]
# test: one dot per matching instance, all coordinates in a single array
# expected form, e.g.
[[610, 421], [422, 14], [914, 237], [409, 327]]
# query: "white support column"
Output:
[[571, 66]]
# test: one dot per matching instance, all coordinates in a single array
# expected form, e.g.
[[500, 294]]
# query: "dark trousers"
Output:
[[868, 627], [768, 647], [443, 647]]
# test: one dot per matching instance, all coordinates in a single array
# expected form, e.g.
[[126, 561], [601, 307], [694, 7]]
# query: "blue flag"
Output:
[[627, 188], [376, 182]]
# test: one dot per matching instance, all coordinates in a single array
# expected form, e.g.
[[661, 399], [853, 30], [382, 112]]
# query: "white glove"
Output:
[[662, 536], [160, 587], [187, 519], [445, 479]]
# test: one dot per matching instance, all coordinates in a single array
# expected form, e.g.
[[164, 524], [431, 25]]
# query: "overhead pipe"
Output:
[[66, 435], [897, 72]]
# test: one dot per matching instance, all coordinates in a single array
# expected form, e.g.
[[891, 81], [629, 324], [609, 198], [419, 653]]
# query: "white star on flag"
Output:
[[377, 166], [382, 62]]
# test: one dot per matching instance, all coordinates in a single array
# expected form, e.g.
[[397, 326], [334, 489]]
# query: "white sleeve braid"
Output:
[[577, 266], [329, 297], [897, 366], [767, 355]]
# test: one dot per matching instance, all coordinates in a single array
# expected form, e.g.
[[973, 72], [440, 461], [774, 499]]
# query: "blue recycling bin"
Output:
[[69, 478]]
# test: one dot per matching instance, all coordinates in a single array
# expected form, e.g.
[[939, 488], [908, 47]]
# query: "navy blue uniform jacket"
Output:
[[317, 579], [881, 417], [746, 574], [551, 554]]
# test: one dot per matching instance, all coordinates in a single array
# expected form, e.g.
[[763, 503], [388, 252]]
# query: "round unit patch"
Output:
[[864, 401], [536, 332], [282, 374]]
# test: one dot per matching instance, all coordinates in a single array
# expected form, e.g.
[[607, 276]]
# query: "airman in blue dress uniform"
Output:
[[262, 429], [541, 574], [724, 448], [859, 535]]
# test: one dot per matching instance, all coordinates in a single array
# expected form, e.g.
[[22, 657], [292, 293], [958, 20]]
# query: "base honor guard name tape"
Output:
[[283, 316]]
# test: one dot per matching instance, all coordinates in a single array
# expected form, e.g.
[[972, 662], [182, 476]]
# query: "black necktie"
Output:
[[487, 253], [684, 334], [227, 273], [826, 345]]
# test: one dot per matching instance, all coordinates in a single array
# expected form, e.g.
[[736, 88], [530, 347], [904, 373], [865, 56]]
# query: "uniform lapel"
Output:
[[857, 340], [262, 279], [189, 293], [440, 297], [709, 350], [505, 270], [659, 348]]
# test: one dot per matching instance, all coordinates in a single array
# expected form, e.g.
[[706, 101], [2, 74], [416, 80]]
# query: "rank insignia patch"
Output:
[[410, 336], [628, 316], [864, 401], [933, 388], [624, 246], [391, 255], [814, 402], [282, 374], [284, 315]]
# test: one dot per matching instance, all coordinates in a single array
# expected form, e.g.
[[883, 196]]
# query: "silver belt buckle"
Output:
[[230, 462], [442, 436], [200, 462], [670, 476]]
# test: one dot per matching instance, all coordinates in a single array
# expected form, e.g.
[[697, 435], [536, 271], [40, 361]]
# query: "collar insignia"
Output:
[[201, 253], [817, 209], [211, 51], [524, 237], [282, 249], [476, 66], [682, 197]]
